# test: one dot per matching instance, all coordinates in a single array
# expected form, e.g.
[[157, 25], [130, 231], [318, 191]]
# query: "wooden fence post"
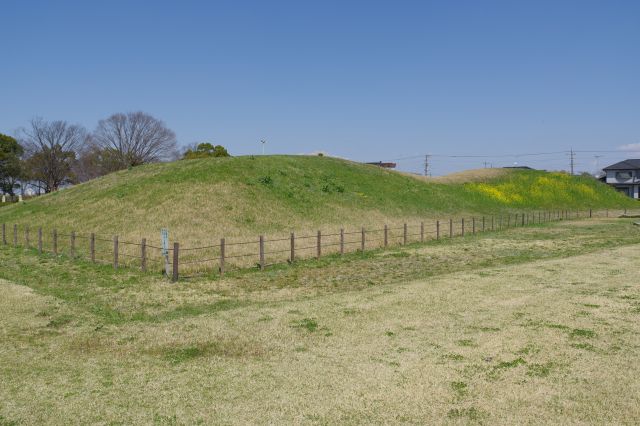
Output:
[[483, 224], [26, 236], [422, 232], [590, 213], [462, 226], [437, 229], [222, 254], [386, 236], [292, 255], [319, 248], [92, 247], [341, 241], [73, 244], [143, 255], [115, 252], [55, 242], [39, 239], [404, 235], [4, 234], [473, 225], [362, 241], [15, 235], [176, 253], [523, 218], [261, 252], [450, 228]]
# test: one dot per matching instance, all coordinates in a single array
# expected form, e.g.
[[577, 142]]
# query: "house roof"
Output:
[[518, 167], [625, 165]]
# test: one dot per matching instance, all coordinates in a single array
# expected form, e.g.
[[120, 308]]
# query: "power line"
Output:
[[529, 154], [480, 156]]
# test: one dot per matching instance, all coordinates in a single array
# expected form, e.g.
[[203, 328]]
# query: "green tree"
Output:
[[205, 149], [10, 163]]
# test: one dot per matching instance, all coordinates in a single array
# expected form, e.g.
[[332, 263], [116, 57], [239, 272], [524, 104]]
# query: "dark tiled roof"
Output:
[[625, 165]]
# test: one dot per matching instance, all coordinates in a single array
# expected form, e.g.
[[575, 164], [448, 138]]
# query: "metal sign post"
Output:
[[164, 235]]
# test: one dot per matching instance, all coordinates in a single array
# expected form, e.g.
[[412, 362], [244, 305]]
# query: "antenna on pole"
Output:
[[263, 142]]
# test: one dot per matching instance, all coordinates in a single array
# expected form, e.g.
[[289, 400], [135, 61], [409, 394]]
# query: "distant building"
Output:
[[383, 165], [625, 177], [518, 167]]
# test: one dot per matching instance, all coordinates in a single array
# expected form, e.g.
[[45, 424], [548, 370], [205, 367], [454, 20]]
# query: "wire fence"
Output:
[[226, 255]]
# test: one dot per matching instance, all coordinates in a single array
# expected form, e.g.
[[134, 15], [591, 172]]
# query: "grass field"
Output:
[[201, 201], [531, 325]]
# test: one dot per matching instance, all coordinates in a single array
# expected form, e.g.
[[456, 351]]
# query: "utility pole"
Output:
[[572, 154], [426, 165]]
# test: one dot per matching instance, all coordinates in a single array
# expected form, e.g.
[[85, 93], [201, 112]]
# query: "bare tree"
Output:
[[136, 138], [52, 147], [94, 161]]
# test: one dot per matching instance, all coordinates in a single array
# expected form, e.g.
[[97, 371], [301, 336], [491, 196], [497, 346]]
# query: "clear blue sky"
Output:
[[366, 80]]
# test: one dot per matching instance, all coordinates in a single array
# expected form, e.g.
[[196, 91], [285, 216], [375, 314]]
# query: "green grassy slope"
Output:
[[201, 200]]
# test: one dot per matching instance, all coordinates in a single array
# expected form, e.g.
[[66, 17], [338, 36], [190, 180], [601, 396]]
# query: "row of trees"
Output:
[[51, 154]]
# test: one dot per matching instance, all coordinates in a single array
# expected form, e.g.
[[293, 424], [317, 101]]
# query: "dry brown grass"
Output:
[[549, 341], [473, 175]]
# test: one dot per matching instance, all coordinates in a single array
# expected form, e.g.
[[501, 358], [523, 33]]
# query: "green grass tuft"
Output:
[[511, 364], [308, 324], [578, 332]]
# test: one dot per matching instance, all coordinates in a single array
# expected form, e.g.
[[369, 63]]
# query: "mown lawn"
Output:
[[533, 325]]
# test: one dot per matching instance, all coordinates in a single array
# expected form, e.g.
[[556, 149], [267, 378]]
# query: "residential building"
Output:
[[625, 177]]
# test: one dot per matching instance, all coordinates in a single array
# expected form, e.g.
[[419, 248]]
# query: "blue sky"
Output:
[[366, 80]]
